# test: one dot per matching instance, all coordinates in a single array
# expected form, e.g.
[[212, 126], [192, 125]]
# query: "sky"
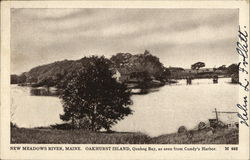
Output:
[[179, 37]]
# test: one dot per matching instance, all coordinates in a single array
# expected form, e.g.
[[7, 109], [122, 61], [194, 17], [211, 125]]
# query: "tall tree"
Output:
[[93, 95], [13, 79], [223, 67], [197, 65], [233, 69], [145, 62]]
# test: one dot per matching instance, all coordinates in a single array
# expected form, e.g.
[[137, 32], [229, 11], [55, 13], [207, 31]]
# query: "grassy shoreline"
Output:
[[55, 136]]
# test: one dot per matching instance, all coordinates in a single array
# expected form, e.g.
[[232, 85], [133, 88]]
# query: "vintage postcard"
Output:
[[124, 80]]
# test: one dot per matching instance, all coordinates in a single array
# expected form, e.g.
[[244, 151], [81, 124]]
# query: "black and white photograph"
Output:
[[124, 76]]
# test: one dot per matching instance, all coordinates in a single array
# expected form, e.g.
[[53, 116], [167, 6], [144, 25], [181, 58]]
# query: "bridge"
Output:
[[189, 79]]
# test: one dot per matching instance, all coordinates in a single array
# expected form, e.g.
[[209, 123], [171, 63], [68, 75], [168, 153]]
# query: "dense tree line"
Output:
[[52, 74], [145, 63]]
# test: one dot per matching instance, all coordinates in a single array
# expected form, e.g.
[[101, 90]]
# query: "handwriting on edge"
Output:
[[242, 50]]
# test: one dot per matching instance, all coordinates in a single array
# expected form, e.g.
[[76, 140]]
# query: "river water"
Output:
[[162, 111]]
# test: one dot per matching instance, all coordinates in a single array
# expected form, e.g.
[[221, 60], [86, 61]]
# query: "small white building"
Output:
[[117, 75]]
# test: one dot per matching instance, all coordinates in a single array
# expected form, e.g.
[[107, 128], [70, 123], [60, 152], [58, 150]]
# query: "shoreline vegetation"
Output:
[[125, 74], [135, 70], [45, 135]]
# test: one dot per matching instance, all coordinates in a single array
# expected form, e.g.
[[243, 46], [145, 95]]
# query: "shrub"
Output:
[[182, 129]]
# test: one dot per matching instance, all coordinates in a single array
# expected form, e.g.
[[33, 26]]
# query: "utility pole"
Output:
[[216, 115]]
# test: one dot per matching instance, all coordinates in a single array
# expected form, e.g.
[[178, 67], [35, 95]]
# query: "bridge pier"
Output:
[[215, 79], [189, 81]]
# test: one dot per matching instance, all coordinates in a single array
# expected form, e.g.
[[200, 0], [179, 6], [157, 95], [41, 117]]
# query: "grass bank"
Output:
[[55, 136]]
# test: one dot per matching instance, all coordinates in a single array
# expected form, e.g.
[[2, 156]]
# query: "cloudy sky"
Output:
[[179, 37]]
